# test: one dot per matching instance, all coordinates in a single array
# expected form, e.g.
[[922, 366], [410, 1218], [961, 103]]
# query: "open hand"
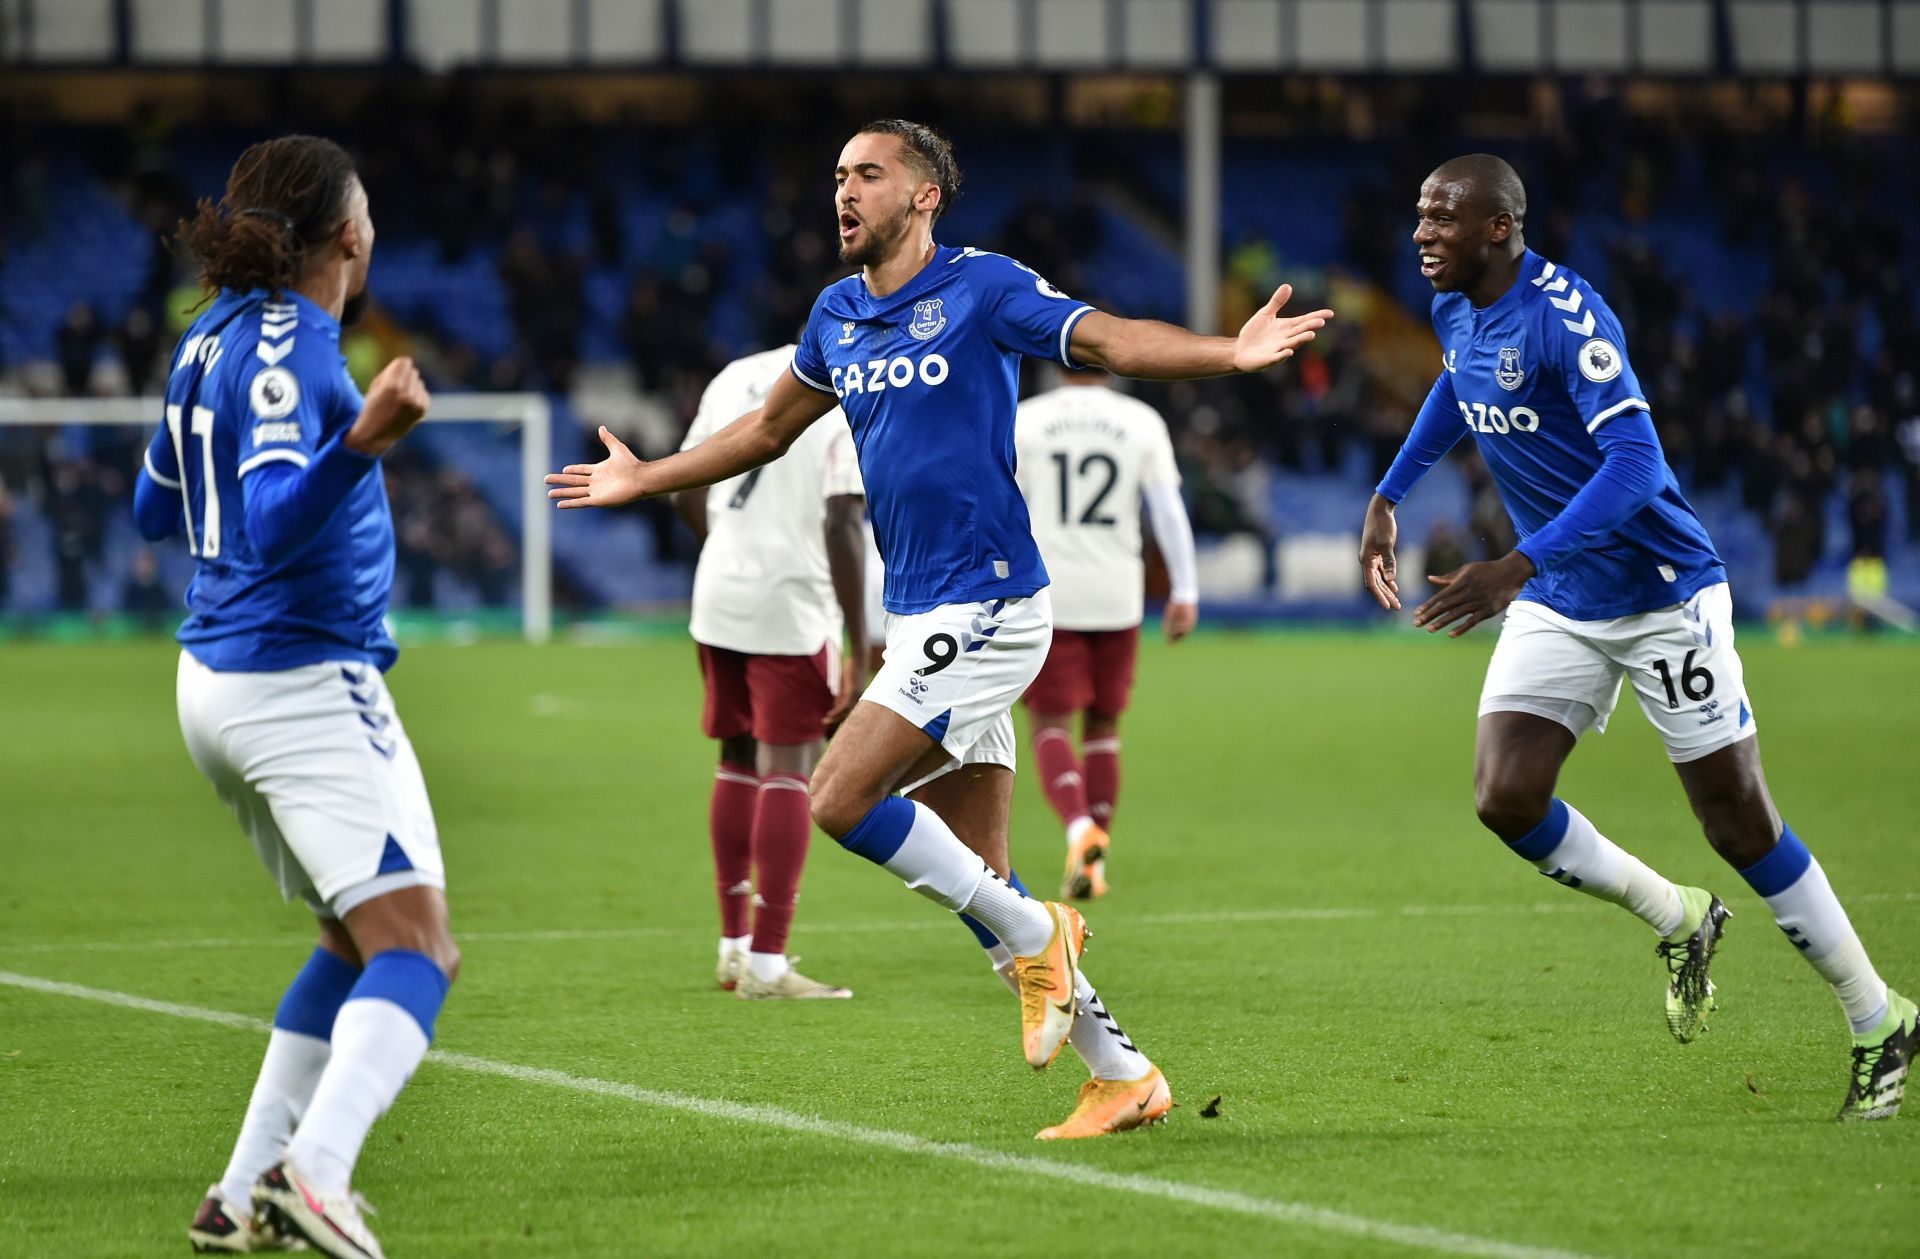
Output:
[[1377, 566], [617, 479], [1473, 593], [1268, 339]]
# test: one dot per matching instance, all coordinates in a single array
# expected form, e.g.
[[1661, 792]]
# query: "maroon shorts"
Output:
[[782, 700], [1086, 669]]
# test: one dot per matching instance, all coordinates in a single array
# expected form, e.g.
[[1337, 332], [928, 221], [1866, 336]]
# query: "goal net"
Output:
[[67, 542]]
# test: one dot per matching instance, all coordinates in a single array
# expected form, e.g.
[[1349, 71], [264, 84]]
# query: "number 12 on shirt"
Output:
[[1096, 460]]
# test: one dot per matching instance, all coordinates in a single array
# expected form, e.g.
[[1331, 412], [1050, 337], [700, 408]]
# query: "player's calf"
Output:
[[379, 1037], [1808, 913]]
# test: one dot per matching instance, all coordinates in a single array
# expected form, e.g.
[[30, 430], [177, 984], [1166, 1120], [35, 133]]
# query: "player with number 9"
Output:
[[921, 350]]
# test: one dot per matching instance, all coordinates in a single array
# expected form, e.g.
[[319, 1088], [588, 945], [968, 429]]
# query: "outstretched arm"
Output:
[[1146, 349], [755, 438]]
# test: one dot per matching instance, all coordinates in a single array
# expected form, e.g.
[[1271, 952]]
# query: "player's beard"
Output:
[[878, 241]]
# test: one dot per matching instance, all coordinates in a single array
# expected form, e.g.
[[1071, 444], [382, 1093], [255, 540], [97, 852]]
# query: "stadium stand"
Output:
[[616, 266]]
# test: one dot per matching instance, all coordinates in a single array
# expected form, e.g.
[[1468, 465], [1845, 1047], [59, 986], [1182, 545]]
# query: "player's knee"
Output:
[[836, 809], [1509, 805], [1739, 825]]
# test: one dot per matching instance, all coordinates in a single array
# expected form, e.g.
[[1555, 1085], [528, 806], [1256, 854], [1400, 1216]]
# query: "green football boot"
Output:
[[1688, 952], [1880, 1060]]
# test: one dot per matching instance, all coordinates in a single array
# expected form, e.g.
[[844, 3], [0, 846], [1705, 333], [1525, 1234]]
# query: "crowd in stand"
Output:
[[1808, 395]]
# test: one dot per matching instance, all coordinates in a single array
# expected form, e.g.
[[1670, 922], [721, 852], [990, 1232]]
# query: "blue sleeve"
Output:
[[1585, 345], [1631, 472], [287, 504], [1436, 430], [294, 468], [1024, 313], [809, 366], [288, 404], [157, 510]]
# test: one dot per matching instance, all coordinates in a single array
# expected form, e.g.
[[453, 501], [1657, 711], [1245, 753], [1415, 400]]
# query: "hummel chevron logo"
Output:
[[1541, 279], [1583, 325], [272, 354], [1569, 303]]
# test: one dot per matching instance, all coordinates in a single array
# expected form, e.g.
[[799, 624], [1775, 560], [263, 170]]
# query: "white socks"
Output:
[[288, 1075], [1106, 1050], [767, 967], [1101, 1044], [1568, 849], [1022, 924], [376, 1046], [1803, 904], [933, 862]]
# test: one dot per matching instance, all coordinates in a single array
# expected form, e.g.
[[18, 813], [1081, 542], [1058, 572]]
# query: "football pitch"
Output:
[[1417, 1043]]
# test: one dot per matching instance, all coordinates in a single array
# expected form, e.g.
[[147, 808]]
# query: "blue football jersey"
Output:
[[1536, 378], [929, 378], [260, 383]]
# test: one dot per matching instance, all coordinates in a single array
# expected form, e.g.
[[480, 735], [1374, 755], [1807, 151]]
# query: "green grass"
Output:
[[1472, 1049]]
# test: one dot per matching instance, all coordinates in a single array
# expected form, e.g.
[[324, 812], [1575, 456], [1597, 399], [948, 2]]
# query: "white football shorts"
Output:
[[316, 766], [957, 671], [1681, 660]]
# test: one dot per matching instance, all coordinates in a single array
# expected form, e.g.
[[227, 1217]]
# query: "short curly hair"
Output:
[[927, 151]]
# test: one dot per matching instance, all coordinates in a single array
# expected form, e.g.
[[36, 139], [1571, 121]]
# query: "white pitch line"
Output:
[[1418, 1236], [928, 923], [1290, 913]]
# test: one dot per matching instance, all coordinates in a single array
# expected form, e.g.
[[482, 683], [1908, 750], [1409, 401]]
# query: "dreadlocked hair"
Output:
[[284, 198]]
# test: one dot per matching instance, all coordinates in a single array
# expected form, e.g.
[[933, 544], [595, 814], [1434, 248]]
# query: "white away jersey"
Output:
[[1087, 453], [762, 584]]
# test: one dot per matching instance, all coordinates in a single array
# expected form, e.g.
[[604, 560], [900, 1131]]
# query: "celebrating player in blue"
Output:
[[1613, 578], [269, 465], [922, 351]]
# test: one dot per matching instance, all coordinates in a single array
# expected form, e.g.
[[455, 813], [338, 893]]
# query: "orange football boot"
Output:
[[1114, 1106], [1046, 983], [1086, 876]]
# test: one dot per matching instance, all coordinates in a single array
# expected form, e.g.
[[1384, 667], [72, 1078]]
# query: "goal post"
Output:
[[531, 413]]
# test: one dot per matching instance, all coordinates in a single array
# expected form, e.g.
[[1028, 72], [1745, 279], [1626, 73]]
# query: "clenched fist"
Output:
[[396, 401]]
